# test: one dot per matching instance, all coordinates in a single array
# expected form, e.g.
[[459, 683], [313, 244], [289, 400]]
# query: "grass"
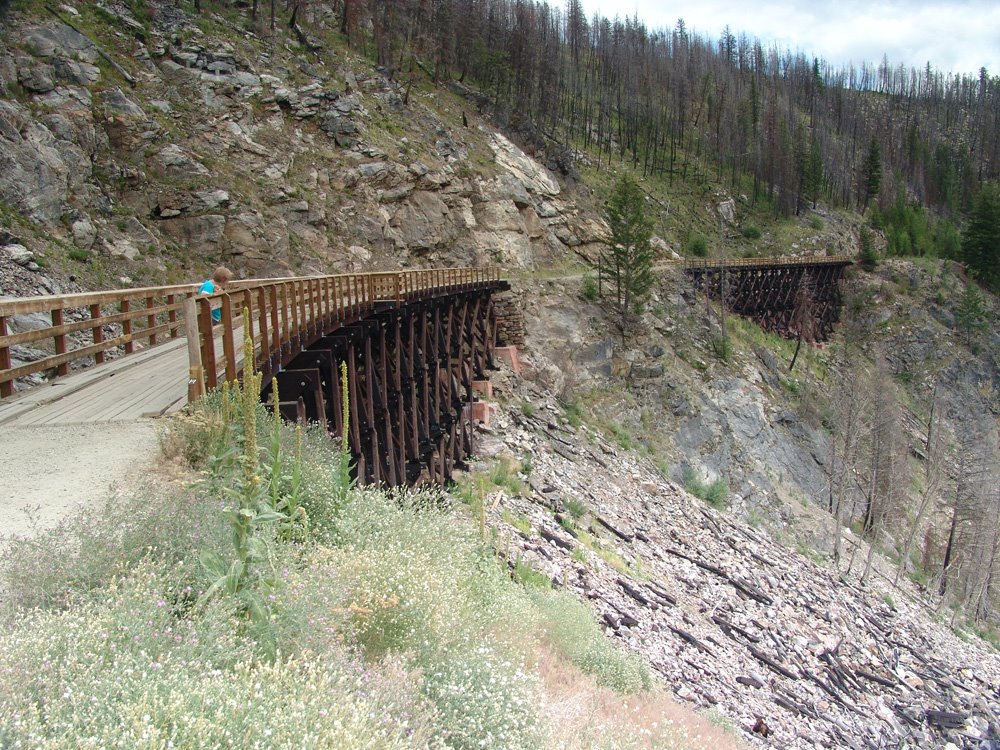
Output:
[[573, 410], [504, 475], [575, 508], [519, 522], [714, 493]]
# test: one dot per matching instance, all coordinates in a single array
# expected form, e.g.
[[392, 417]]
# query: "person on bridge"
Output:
[[218, 283]]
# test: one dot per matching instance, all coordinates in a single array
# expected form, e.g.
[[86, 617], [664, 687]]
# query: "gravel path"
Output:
[[50, 470]]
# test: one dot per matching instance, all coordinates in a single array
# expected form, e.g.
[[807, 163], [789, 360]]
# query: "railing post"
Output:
[[172, 316], [60, 340], [6, 386], [98, 332], [127, 326], [272, 298], [196, 374], [265, 342], [208, 362], [151, 321], [228, 344]]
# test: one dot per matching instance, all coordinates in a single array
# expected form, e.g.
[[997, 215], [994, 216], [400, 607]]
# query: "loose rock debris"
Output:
[[728, 618]]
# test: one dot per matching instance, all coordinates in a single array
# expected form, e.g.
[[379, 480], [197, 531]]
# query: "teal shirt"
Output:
[[209, 288]]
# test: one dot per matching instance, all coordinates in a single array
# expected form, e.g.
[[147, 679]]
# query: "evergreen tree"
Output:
[[981, 239], [871, 174], [629, 258], [971, 314], [866, 249]]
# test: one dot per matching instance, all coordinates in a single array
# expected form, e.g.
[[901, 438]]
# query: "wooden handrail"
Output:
[[766, 262], [284, 312]]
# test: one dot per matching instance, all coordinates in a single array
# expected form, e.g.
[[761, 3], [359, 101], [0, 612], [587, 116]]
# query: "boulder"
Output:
[[80, 73], [84, 233], [60, 41], [123, 248], [727, 210], [172, 161], [116, 103], [35, 175], [211, 199], [37, 78], [533, 176], [18, 254], [420, 222], [532, 224], [197, 233], [499, 216]]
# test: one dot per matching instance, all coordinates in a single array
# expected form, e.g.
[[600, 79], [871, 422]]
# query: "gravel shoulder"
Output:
[[47, 471]]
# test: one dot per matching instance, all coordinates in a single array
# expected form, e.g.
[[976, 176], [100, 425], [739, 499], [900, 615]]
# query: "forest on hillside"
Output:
[[913, 147]]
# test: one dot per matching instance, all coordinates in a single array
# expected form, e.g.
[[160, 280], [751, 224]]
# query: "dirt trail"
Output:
[[49, 470]]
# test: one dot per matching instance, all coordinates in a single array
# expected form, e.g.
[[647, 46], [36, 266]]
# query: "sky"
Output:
[[960, 36]]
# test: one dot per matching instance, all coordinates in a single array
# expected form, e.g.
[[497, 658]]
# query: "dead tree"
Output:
[[803, 320], [934, 457]]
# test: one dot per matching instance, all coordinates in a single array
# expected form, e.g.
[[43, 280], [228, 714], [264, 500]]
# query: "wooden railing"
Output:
[[283, 315], [763, 262], [94, 327], [106, 324]]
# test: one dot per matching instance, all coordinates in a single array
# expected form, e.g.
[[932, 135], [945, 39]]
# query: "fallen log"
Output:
[[660, 593], [620, 534], [750, 591], [728, 628], [765, 659], [875, 678], [555, 539], [684, 635], [633, 592], [944, 719]]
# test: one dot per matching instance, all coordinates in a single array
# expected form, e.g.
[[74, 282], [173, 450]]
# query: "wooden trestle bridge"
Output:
[[416, 345], [776, 292], [414, 342]]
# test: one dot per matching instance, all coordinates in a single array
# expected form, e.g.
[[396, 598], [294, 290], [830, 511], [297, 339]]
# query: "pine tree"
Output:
[[981, 239], [871, 174], [971, 313], [866, 249], [629, 258]]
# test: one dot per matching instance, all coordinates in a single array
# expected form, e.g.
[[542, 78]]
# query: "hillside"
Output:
[[291, 152]]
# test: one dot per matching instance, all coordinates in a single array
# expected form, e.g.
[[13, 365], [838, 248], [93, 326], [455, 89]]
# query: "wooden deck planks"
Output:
[[148, 383]]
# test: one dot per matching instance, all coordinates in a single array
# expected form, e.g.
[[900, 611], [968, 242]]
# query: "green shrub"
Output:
[[573, 411], [715, 493], [815, 223], [504, 474], [575, 507], [589, 288], [79, 255], [697, 246], [722, 346], [529, 577], [752, 232]]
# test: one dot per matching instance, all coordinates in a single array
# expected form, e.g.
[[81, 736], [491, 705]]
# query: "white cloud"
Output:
[[959, 36]]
